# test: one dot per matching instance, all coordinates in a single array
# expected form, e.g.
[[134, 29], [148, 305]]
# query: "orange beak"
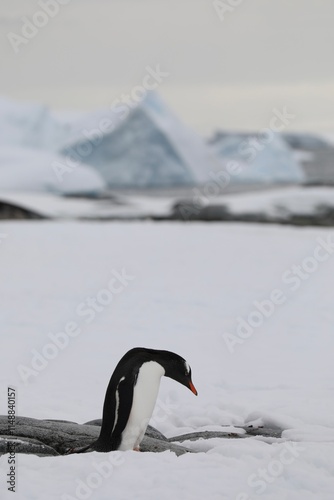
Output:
[[192, 388]]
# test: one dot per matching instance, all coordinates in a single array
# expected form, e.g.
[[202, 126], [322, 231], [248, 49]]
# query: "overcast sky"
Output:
[[227, 72]]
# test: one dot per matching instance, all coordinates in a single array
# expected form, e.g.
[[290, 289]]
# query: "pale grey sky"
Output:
[[265, 54]]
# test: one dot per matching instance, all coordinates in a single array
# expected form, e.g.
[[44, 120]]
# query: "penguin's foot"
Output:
[[68, 451], [82, 449], [136, 448]]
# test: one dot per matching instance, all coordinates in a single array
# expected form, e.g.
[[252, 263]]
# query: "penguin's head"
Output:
[[178, 369], [175, 366]]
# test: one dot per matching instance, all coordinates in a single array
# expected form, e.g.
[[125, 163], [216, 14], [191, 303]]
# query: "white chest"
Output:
[[144, 398]]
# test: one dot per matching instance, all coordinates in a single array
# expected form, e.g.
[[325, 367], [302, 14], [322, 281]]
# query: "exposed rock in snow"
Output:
[[26, 445], [291, 205], [15, 211], [114, 207], [53, 437], [150, 431], [57, 435], [285, 205], [241, 432]]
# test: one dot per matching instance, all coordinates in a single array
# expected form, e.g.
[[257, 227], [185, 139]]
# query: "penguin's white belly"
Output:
[[145, 394]]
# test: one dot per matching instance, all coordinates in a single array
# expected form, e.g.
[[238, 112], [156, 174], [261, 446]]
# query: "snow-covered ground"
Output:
[[192, 289]]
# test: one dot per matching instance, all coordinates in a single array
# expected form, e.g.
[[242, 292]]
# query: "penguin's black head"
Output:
[[174, 365], [178, 369]]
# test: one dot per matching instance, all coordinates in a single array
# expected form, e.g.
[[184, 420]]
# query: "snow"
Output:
[[186, 287]]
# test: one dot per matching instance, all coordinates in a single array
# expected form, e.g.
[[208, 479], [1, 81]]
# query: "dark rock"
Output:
[[272, 432], [157, 446], [215, 213], [97, 422], [60, 421], [150, 431], [186, 210], [26, 445], [59, 436], [194, 436], [12, 211], [154, 433], [54, 437]]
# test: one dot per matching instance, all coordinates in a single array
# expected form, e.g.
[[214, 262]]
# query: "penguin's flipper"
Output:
[[125, 399]]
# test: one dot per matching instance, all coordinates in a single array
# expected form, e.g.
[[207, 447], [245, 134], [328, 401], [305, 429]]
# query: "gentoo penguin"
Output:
[[131, 397]]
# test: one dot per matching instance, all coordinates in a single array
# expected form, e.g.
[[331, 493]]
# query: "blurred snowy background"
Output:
[[147, 105]]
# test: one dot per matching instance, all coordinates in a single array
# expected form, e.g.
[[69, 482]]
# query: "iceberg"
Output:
[[31, 170], [29, 139], [143, 146], [267, 160], [30, 125], [148, 147]]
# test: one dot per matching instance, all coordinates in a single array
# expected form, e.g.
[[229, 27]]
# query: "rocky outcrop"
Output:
[[59, 435], [56, 437], [29, 446], [322, 215], [11, 211], [241, 432]]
